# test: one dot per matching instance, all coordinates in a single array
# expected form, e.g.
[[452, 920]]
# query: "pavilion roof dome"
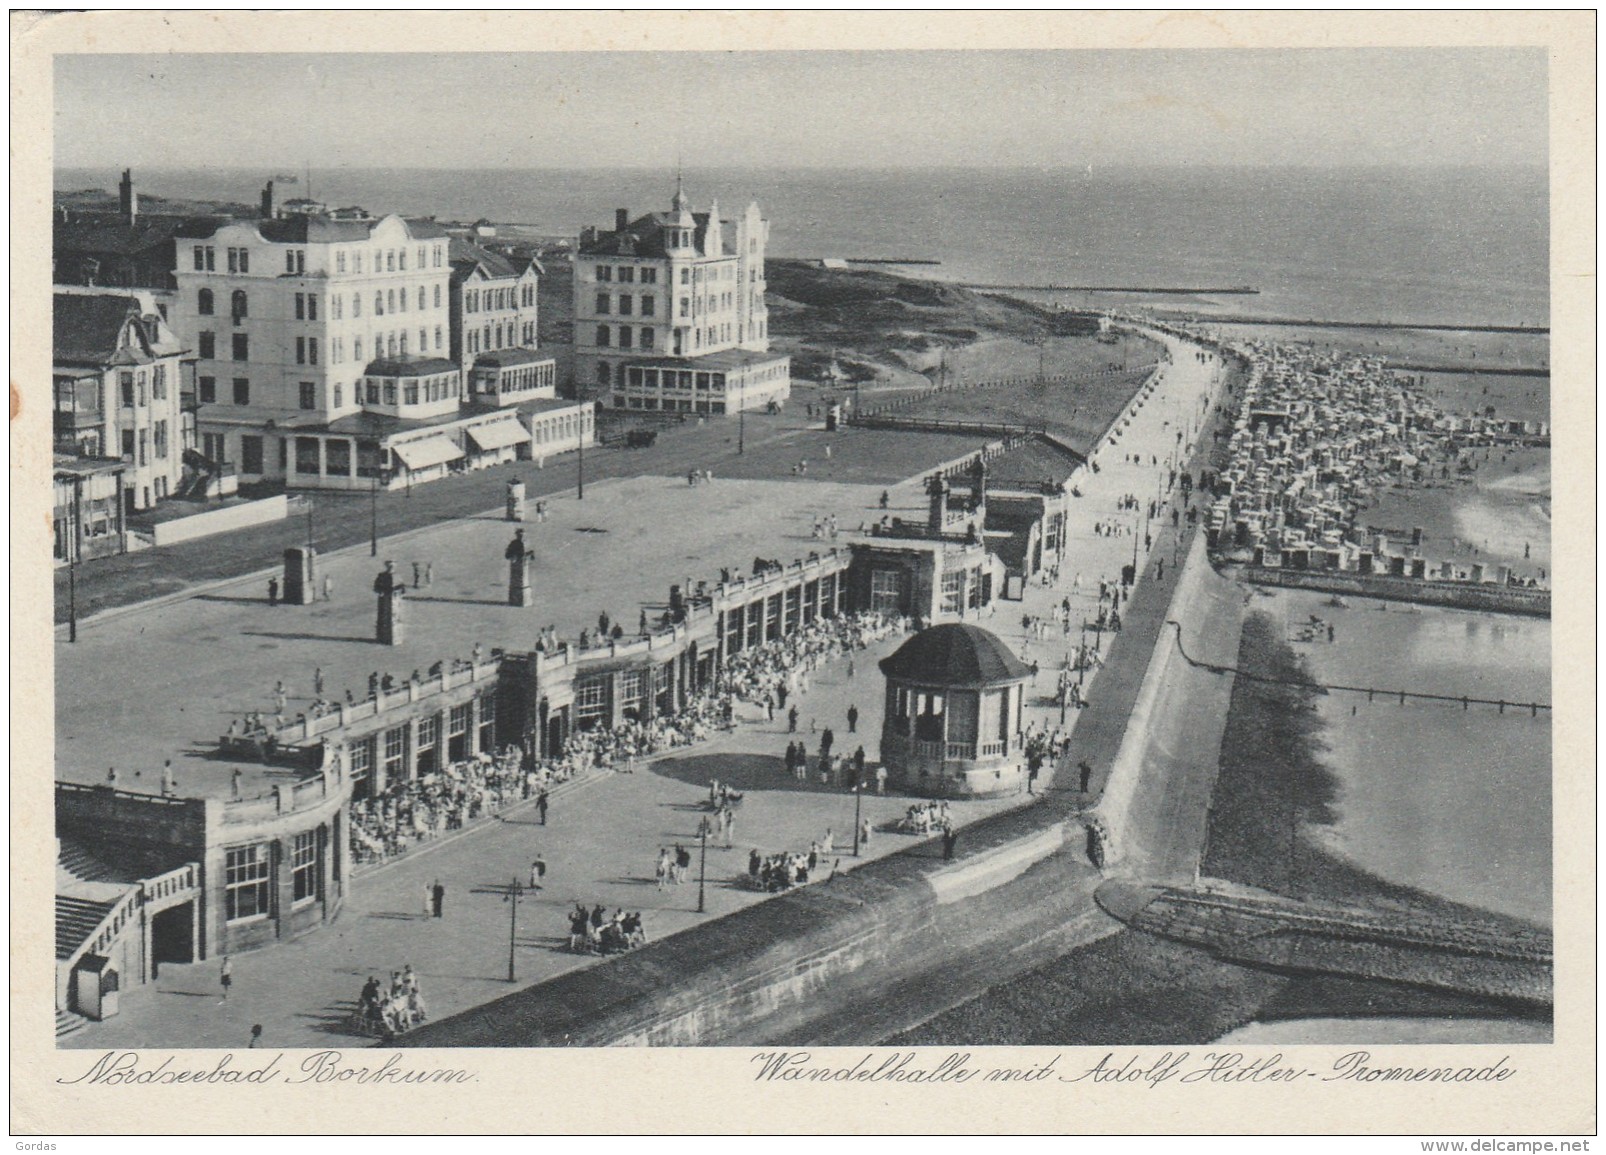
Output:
[[954, 654]]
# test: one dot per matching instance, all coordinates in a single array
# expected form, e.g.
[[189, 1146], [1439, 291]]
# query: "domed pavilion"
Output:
[[953, 713]]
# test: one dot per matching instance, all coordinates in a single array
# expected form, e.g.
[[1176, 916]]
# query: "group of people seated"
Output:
[[776, 872], [594, 931], [426, 807], [925, 817], [776, 668], [394, 1009]]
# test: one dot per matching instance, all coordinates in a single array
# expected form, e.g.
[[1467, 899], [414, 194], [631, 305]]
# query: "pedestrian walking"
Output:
[[226, 978], [273, 591], [417, 573], [541, 804], [949, 837], [256, 1036], [429, 573], [328, 588], [429, 900], [791, 720], [169, 786], [238, 775], [851, 667], [880, 779], [317, 681], [853, 719], [537, 872], [438, 899]]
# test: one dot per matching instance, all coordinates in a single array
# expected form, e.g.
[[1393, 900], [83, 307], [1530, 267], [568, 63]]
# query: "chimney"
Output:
[[127, 198], [937, 491], [621, 220], [269, 206]]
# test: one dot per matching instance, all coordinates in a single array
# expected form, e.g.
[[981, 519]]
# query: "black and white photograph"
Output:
[[909, 550]]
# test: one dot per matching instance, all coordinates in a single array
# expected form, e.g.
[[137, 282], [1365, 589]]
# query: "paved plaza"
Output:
[[220, 654]]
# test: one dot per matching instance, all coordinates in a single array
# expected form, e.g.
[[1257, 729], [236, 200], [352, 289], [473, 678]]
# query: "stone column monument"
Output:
[[515, 500], [520, 561], [388, 629]]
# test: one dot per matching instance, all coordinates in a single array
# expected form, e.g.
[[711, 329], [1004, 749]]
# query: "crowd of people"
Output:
[[782, 667], [394, 1009], [409, 812], [777, 872], [595, 931]]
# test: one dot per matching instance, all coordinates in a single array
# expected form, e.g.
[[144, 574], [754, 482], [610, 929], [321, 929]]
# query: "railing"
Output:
[[343, 715], [957, 751], [175, 883], [282, 799], [992, 749], [106, 931]]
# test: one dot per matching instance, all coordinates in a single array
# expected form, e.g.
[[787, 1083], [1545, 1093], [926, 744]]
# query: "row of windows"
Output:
[[724, 271], [383, 391], [131, 386], [493, 337], [204, 258], [626, 335], [206, 389], [626, 304], [518, 380], [626, 274], [306, 348], [248, 873], [490, 300], [138, 449], [389, 260]]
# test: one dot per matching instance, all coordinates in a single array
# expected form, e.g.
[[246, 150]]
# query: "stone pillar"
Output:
[[519, 564], [389, 591], [300, 575], [515, 500]]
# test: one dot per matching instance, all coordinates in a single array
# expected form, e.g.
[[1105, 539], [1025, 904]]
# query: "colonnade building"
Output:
[[181, 878]]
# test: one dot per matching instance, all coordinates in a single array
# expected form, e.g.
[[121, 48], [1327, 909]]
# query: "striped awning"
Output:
[[427, 451], [499, 434]]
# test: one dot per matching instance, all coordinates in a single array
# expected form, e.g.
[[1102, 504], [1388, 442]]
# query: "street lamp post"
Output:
[[580, 459], [515, 888], [702, 865], [74, 546], [373, 516], [741, 430], [858, 801]]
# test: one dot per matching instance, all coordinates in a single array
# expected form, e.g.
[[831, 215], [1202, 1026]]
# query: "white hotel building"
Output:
[[323, 351], [669, 313]]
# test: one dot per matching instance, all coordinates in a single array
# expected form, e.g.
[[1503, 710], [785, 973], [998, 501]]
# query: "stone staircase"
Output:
[[67, 1023], [76, 920]]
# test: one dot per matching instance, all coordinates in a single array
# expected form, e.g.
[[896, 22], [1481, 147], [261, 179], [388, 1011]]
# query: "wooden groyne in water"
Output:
[[1216, 291], [1424, 591], [1295, 322]]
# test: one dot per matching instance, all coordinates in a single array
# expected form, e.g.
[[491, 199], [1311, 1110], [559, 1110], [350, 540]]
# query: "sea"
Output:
[[1430, 245]]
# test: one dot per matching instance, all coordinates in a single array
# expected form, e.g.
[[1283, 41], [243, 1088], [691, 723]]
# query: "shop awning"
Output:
[[427, 451], [499, 434]]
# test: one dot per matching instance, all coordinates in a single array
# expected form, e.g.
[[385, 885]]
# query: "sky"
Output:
[[803, 109]]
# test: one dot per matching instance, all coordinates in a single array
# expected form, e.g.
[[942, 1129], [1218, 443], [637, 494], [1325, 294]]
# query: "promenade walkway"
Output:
[[605, 832]]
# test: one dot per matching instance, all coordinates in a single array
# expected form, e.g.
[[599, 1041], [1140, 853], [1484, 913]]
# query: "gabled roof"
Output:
[[87, 330], [644, 237], [467, 256]]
